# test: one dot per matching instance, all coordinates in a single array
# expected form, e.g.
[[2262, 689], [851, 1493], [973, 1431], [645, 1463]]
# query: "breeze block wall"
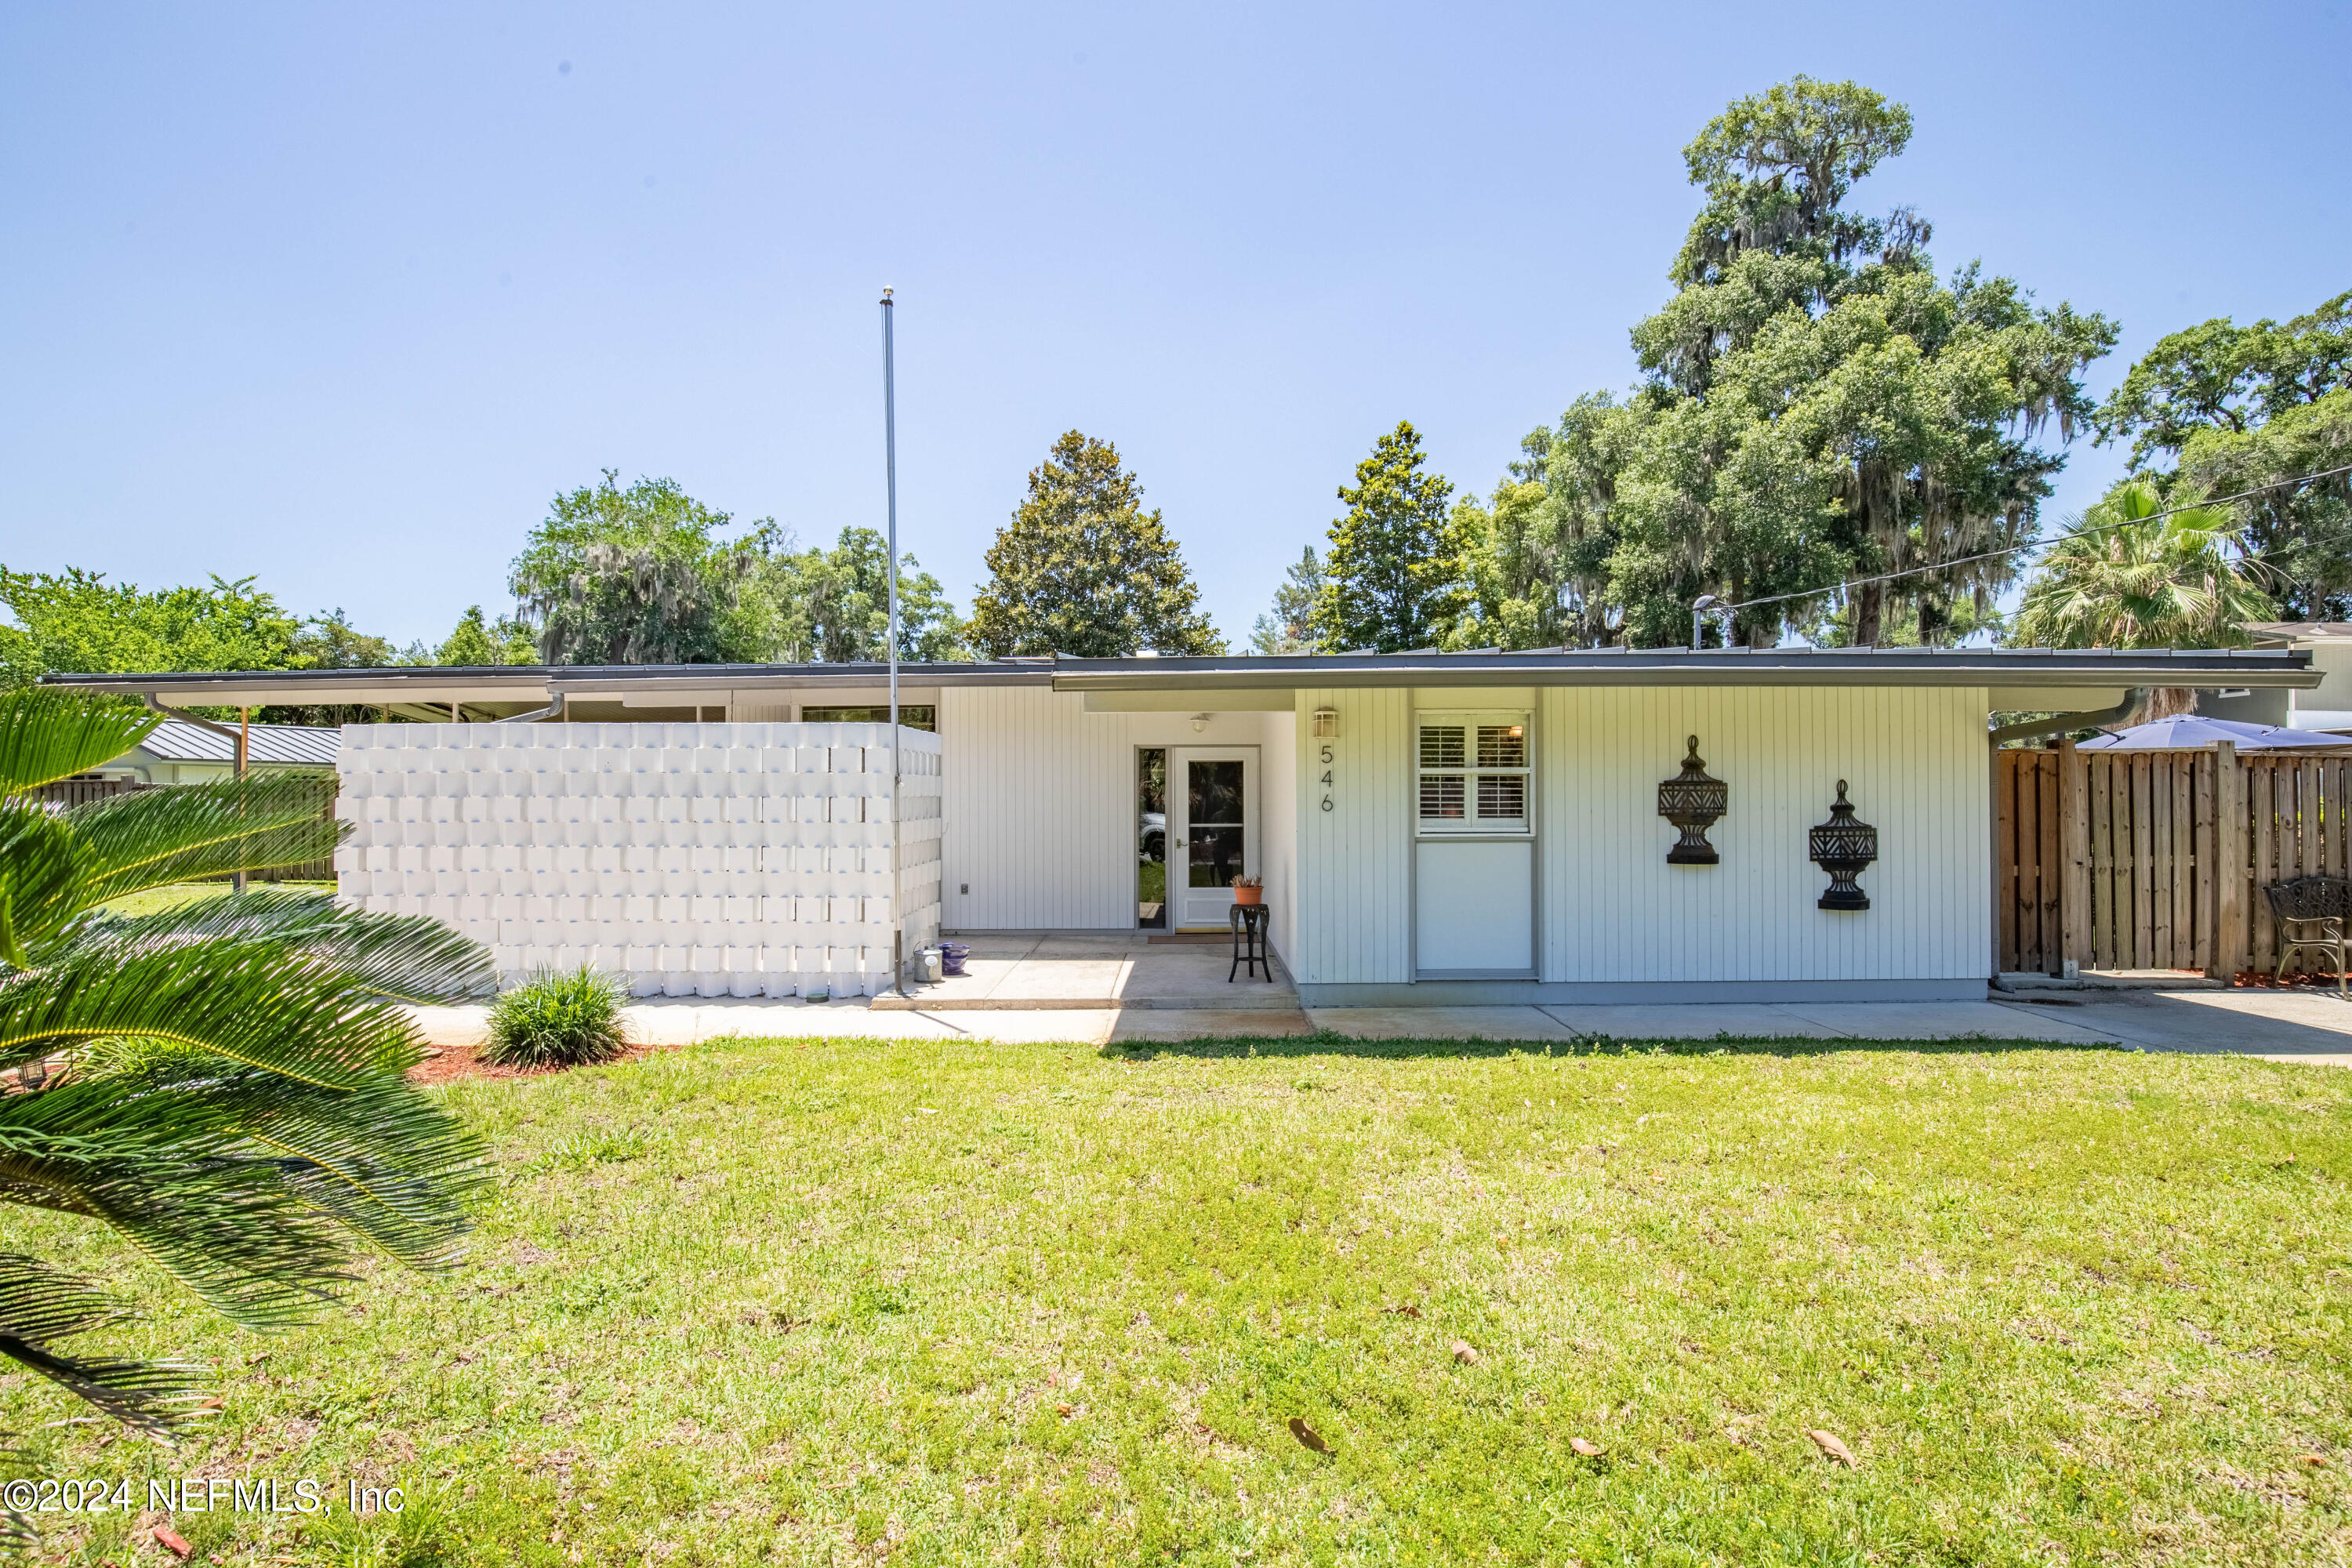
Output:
[[693, 860]]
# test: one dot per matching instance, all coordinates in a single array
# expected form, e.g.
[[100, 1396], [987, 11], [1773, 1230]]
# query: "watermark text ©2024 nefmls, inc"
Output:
[[196, 1494]]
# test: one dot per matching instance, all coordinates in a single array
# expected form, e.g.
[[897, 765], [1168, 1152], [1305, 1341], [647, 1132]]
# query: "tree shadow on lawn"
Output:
[[1330, 1043]]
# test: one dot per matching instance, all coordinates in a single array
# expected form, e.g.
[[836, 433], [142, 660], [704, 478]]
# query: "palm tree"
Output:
[[2125, 577], [224, 1084]]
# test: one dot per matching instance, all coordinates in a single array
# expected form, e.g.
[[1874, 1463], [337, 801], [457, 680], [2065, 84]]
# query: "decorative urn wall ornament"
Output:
[[1843, 847], [1693, 802]]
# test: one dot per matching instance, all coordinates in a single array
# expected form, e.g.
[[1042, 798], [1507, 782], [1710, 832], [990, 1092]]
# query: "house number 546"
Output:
[[1327, 778]]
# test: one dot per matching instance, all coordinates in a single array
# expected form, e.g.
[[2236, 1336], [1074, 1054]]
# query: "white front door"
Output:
[[1212, 829]]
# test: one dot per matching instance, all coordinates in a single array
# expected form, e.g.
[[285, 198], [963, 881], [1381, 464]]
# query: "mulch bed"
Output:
[[446, 1064]]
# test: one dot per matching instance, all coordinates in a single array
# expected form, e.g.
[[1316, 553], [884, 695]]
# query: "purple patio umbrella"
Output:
[[2188, 733]]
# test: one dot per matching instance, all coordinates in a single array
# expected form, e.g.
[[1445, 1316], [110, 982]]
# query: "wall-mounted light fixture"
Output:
[[1694, 802], [1843, 847], [1199, 722], [1327, 724]]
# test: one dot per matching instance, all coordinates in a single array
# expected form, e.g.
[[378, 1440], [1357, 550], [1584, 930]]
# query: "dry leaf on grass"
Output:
[[1828, 1443], [1308, 1436], [1062, 1410], [1586, 1447], [167, 1537], [2316, 1461], [1463, 1354], [1405, 1310]]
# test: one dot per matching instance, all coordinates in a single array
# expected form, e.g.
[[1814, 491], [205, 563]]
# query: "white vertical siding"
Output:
[[1914, 761], [1278, 832], [1041, 806], [1041, 812], [1355, 883]]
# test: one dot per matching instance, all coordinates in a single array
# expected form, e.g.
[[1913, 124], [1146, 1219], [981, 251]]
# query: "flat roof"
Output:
[[2035, 668], [2003, 667], [534, 683]]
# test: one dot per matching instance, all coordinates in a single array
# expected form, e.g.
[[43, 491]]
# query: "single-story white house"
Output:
[[1438, 828]]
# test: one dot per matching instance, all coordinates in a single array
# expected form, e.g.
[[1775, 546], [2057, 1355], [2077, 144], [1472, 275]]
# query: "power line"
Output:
[[2032, 544]]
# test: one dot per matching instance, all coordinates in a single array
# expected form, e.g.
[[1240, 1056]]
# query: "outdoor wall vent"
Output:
[[1327, 724]]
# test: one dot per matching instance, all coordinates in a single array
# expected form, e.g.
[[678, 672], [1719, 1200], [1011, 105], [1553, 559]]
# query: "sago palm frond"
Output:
[[40, 1305], [251, 1191], [40, 878], [223, 1085], [265, 1003], [48, 735], [191, 831], [408, 958]]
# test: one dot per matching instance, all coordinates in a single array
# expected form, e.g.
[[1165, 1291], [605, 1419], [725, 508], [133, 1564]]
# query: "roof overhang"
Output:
[[536, 685], [2015, 678], [2064, 673]]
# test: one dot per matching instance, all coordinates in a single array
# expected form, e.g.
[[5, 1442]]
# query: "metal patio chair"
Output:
[[2310, 912]]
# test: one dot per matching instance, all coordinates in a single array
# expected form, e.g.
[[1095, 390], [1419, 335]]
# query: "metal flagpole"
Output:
[[890, 464]]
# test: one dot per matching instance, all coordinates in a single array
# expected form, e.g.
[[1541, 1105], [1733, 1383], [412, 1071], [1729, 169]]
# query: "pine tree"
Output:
[[1083, 570], [1393, 576], [477, 643], [1288, 627]]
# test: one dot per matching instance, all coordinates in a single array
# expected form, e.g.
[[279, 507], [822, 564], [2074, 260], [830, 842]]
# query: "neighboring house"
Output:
[[1431, 828], [2326, 706], [179, 753]]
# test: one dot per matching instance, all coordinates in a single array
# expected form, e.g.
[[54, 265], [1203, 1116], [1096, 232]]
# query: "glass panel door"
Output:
[[1215, 790], [1151, 838]]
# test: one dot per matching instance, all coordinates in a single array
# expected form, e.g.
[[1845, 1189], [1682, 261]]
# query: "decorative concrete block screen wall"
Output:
[[694, 859]]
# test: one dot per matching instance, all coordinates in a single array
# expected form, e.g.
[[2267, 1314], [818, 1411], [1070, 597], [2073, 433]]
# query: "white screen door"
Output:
[[1213, 811]]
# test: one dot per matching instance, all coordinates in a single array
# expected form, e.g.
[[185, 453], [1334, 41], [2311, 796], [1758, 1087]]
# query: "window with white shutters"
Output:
[[1471, 772]]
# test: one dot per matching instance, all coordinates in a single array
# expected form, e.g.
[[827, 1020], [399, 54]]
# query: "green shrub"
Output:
[[559, 1020]]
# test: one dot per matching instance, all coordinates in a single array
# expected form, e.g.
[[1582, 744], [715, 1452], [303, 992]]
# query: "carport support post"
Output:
[[2074, 857], [244, 751], [2230, 864]]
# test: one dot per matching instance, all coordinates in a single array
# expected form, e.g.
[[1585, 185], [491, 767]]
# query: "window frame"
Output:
[[1470, 720]]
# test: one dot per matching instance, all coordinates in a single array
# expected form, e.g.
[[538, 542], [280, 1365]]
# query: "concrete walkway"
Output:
[[1047, 971], [2292, 1025]]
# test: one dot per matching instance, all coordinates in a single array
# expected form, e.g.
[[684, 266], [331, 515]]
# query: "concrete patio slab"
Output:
[[1757, 1021], [1177, 1024], [2299, 1025], [1944, 1021], [1440, 1023]]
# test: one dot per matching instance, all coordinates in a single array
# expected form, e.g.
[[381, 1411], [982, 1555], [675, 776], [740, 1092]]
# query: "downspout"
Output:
[[552, 710], [2059, 723]]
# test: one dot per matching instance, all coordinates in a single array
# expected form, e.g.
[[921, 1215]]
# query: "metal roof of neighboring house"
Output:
[[2281, 631], [295, 744], [2034, 668]]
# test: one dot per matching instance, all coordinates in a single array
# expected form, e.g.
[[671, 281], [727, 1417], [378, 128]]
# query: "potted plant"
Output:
[[1249, 889]]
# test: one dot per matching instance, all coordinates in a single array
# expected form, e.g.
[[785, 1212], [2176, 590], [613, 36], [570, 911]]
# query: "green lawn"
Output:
[[170, 896], [834, 1301]]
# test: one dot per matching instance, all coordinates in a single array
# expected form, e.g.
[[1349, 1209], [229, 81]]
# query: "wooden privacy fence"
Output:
[[2157, 859]]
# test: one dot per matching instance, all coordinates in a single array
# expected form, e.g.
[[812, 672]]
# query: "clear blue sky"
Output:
[[340, 296]]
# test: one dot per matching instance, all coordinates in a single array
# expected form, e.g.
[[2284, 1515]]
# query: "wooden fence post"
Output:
[[2229, 934], [2074, 857]]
